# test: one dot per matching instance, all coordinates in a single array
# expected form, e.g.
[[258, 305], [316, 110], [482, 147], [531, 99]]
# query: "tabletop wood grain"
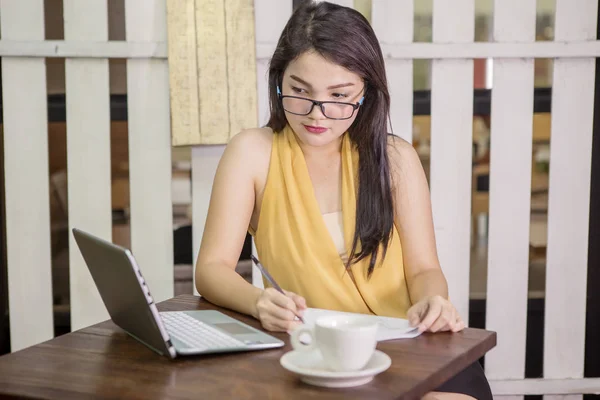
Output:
[[103, 362]]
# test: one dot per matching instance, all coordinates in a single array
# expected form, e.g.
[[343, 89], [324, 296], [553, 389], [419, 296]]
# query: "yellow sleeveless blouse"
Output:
[[294, 244]]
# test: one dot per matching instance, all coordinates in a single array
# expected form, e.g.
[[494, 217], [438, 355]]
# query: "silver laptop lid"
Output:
[[124, 291]]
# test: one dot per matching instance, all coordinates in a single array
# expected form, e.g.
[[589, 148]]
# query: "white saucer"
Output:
[[311, 369]]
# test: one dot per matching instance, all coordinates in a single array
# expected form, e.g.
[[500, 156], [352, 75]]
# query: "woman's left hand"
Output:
[[435, 314]]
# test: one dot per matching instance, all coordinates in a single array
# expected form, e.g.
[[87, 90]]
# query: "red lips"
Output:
[[315, 129]]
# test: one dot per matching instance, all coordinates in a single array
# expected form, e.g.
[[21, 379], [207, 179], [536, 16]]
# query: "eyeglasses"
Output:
[[330, 109]]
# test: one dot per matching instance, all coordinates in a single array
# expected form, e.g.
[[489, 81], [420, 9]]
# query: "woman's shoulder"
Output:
[[254, 139], [401, 154], [250, 150], [251, 144]]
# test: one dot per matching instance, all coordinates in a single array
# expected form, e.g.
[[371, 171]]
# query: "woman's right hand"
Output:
[[277, 312]]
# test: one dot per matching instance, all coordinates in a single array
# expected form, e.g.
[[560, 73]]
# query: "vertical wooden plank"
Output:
[[270, 17], [88, 152], [451, 147], [183, 72], [205, 160], [150, 149], [365, 7], [262, 76], [345, 3], [569, 195], [215, 50], [393, 22], [26, 179], [257, 279], [510, 192], [592, 349], [241, 65], [211, 42]]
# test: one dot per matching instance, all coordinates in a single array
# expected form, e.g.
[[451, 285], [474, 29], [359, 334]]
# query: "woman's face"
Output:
[[310, 76]]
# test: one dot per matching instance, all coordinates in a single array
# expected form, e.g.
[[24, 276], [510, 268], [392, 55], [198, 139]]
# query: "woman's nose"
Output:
[[316, 112]]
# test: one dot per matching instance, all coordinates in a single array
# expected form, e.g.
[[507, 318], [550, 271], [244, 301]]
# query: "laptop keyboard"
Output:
[[197, 334]]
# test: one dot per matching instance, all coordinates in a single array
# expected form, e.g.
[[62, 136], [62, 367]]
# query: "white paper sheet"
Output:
[[389, 328]]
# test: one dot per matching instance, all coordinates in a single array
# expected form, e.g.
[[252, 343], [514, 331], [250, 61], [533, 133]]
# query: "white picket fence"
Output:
[[87, 49]]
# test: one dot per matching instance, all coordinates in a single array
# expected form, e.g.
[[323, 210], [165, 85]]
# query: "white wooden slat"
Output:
[[256, 274], [205, 160], [26, 179], [459, 51], [510, 192], [87, 49], [393, 22], [270, 17], [569, 195], [150, 150], [264, 50], [502, 388], [88, 153], [451, 148], [262, 76], [345, 3]]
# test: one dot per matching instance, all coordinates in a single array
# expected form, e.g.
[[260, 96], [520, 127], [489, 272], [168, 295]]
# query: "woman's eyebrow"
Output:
[[341, 85], [302, 81]]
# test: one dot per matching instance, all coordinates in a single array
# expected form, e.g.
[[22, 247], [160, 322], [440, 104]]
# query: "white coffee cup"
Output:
[[346, 343]]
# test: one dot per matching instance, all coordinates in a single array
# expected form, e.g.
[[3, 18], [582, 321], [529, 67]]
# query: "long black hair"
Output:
[[343, 36]]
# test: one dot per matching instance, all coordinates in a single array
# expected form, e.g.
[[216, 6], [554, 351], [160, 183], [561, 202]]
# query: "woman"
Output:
[[339, 209]]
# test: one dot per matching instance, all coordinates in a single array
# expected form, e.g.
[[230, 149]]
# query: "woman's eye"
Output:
[[339, 95], [298, 90]]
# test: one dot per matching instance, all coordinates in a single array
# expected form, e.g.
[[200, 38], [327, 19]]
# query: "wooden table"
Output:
[[102, 361]]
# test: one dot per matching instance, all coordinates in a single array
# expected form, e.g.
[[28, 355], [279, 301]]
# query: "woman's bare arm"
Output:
[[231, 206], [427, 285], [414, 221]]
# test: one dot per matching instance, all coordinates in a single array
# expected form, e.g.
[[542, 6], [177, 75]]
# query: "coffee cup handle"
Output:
[[297, 344]]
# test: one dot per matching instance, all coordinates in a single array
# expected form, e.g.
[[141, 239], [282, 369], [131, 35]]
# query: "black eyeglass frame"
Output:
[[354, 106]]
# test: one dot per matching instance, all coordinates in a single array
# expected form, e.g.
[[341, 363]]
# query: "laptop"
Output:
[[174, 333]]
